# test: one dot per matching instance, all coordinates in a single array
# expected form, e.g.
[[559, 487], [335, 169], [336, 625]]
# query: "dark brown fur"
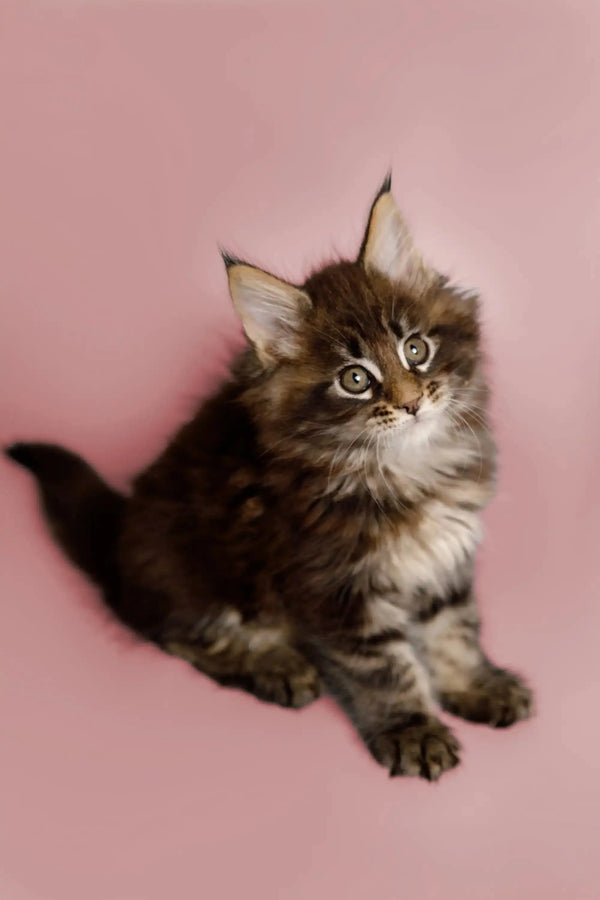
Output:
[[251, 545]]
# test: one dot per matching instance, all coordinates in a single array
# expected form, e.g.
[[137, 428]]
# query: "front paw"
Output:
[[421, 745], [495, 697]]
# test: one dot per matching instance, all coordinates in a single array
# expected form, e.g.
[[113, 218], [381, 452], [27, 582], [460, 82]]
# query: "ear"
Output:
[[271, 310], [388, 247]]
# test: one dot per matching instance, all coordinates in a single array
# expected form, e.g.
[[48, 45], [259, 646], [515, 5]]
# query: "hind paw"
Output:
[[496, 697]]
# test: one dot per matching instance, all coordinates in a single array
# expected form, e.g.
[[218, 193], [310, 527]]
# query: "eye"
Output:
[[355, 379], [415, 350]]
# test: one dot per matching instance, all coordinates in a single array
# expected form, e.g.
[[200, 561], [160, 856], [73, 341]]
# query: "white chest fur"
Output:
[[430, 554]]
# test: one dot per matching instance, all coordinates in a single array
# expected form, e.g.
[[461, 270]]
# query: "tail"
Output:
[[83, 512]]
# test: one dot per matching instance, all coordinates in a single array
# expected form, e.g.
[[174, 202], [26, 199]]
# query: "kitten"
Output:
[[314, 526]]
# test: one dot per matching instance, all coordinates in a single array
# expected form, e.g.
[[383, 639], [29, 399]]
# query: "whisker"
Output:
[[470, 410], [463, 422]]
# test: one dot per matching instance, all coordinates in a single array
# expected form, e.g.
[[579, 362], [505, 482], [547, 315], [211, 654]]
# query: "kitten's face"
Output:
[[376, 368], [379, 355]]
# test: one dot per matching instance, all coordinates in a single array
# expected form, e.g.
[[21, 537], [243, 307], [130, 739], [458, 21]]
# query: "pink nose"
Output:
[[411, 407]]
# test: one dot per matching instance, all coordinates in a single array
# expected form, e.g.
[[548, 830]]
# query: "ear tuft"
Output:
[[229, 259], [386, 186]]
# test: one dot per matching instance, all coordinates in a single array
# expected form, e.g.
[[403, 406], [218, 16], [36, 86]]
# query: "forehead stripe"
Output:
[[354, 346]]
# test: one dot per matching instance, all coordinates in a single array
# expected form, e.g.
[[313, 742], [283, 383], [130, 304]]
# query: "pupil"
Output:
[[356, 377], [413, 349]]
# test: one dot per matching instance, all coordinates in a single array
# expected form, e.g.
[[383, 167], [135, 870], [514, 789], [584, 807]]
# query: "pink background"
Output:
[[135, 136]]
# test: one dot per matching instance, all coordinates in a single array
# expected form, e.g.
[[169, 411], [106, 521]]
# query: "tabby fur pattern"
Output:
[[314, 526]]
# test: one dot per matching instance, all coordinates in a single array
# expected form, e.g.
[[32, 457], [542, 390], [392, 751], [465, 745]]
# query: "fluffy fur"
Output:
[[314, 527]]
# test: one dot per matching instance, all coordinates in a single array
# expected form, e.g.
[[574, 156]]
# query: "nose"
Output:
[[404, 392], [411, 406]]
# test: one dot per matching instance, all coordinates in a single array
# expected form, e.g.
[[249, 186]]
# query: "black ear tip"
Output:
[[229, 259], [386, 185], [384, 188]]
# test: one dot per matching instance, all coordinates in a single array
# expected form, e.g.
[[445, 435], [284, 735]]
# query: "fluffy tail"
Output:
[[83, 512]]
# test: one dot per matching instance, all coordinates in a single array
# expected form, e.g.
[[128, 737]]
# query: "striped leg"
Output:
[[466, 682], [378, 680]]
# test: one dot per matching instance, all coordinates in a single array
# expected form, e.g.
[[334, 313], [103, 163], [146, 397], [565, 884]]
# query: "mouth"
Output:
[[423, 423]]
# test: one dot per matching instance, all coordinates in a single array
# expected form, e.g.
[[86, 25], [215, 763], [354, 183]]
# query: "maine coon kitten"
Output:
[[314, 526]]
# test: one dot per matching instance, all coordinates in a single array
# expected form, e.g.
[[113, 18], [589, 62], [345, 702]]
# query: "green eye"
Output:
[[415, 350], [355, 379]]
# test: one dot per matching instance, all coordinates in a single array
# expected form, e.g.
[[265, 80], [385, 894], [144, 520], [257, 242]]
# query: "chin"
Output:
[[414, 434]]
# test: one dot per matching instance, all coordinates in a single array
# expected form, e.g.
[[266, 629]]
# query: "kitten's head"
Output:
[[379, 352]]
